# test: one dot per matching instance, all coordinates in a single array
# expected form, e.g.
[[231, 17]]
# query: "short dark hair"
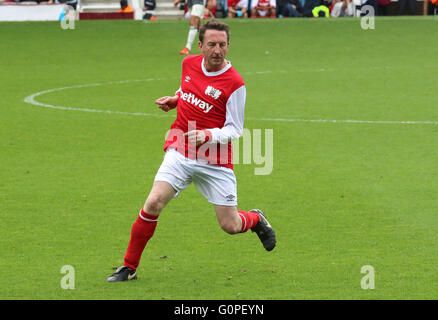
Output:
[[214, 24]]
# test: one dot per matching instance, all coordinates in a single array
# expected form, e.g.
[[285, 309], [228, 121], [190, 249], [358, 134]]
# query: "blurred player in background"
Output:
[[210, 113], [196, 8], [263, 8], [237, 8]]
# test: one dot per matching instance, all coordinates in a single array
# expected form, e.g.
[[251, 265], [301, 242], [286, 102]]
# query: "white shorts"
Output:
[[197, 10], [217, 184]]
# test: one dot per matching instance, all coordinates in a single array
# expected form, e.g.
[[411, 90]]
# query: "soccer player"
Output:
[[210, 113], [196, 8]]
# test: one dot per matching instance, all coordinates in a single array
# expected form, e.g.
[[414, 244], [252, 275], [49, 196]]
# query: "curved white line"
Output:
[[31, 100]]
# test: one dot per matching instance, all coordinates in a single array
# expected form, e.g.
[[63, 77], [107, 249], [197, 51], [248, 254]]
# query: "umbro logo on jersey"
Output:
[[192, 99], [215, 93], [187, 79]]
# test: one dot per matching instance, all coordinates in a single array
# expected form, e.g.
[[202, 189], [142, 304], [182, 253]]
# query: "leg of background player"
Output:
[[195, 23]]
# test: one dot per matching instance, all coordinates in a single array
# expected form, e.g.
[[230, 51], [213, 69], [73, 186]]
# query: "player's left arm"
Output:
[[233, 126]]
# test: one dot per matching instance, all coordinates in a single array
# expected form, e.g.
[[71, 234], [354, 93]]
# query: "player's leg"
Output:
[[228, 219], [143, 229], [218, 185], [337, 9], [196, 14], [172, 178], [235, 221], [162, 192], [231, 12], [271, 12]]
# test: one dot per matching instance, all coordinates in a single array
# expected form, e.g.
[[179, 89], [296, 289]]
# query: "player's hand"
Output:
[[167, 103], [175, 3], [197, 137]]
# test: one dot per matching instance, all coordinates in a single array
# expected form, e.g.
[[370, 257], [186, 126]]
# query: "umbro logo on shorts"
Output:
[[230, 197]]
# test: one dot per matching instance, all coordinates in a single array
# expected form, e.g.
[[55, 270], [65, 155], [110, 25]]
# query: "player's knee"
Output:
[[154, 204]]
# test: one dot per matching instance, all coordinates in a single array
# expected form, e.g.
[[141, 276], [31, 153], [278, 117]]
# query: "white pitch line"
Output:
[[345, 121], [31, 100]]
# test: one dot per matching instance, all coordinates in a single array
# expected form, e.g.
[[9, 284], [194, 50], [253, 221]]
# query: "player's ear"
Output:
[[200, 45]]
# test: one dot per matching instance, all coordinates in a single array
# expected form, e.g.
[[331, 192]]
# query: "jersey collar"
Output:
[[215, 73]]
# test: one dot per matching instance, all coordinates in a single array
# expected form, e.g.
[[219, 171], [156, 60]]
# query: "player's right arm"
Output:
[[167, 103]]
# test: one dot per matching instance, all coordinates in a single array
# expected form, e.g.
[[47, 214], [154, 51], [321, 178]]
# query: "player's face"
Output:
[[214, 48]]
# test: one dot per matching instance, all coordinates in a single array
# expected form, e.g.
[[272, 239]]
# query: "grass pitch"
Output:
[[341, 194]]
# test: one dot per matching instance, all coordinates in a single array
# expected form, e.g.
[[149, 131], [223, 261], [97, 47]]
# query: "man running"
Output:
[[210, 113]]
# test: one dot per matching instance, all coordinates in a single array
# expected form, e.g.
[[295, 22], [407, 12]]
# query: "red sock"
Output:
[[142, 230], [249, 220]]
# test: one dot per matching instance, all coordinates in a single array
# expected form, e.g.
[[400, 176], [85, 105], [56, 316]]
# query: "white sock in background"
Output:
[[192, 35]]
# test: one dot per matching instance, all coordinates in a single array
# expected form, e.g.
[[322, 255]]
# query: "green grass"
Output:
[[341, 195]]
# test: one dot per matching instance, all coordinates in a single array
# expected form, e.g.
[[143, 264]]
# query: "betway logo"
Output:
[[192, 99]]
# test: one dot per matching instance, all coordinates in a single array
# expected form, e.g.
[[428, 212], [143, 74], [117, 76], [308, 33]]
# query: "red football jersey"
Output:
[[208, 100]]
